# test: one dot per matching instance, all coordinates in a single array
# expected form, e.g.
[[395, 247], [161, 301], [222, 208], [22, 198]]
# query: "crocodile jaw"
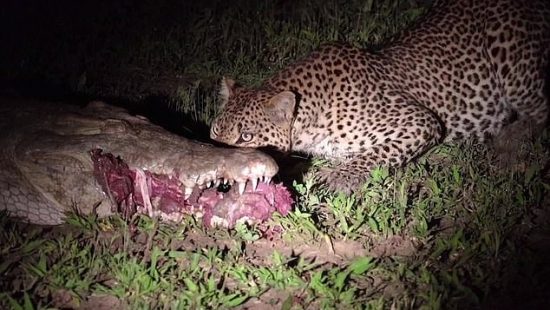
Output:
[[134, 190]]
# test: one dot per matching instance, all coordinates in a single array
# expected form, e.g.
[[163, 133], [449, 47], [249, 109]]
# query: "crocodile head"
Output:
[[55, 157], [175, 193]]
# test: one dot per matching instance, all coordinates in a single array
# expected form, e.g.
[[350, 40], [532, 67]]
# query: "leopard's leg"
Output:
[[532, 115], [417, 130], [532, 105], [511, 145]]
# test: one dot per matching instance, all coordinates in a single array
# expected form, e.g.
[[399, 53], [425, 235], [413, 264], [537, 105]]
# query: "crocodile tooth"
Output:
[[187, 192], [242, 186], [254, 182], [267, 180], [217, 182]]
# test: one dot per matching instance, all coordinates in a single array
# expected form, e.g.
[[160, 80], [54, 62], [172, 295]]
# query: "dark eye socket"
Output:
[[246, 136]]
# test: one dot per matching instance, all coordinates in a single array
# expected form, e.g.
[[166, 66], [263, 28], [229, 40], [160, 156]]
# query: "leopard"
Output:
[[465, 70]]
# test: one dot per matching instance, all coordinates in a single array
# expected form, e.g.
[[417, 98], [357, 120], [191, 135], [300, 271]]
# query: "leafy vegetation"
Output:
[[445, 232], [454, 229]]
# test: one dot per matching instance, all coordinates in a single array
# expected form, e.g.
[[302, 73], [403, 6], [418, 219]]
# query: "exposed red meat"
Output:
[[134, 190]]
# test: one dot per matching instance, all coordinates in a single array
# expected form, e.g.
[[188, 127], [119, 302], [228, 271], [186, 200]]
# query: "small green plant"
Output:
[[335, 286], [278, 275], [246, 232]]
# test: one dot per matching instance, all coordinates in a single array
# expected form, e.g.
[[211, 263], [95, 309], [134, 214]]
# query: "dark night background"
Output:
[[113, 50], [135, 49]]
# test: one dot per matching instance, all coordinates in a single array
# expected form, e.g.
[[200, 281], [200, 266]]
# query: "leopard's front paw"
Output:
[[340, 180]]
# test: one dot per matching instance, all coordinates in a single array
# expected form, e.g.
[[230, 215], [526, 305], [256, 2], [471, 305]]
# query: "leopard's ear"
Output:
[[280, 108], [226, 90]]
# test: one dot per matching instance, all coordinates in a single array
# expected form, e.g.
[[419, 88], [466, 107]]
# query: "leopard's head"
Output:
[[254, 117]]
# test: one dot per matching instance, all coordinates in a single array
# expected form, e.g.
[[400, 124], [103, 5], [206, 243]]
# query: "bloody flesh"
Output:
[[134, 190]]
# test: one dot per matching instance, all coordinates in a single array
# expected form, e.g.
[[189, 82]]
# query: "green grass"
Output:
[[444, 232], [451, 230]]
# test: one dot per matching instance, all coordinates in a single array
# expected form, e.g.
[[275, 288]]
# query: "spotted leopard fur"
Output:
[[462, 71]]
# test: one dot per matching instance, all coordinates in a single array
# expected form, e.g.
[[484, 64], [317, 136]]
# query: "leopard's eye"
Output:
[[215, 129], [246, 136]]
